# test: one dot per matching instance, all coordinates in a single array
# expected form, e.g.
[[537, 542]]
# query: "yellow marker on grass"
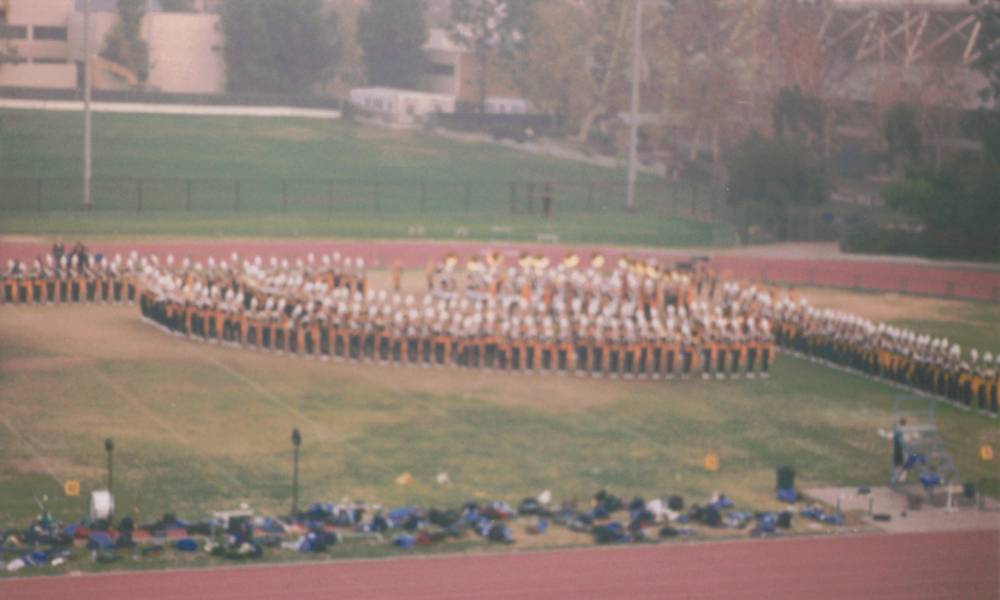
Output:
[[711, 462], [71, 487], [986, 452]]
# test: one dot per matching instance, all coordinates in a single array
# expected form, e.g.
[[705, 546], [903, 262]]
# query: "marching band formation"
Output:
[[635, 318]]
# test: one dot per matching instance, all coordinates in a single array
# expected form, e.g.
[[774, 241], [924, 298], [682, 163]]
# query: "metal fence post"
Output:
[[138, 195], [236, 199], [329, 195], [38, 193], [284, 197]]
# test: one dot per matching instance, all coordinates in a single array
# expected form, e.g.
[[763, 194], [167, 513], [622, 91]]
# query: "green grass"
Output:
[[574, 229], [340, 179], [971, 326], [203, 428]]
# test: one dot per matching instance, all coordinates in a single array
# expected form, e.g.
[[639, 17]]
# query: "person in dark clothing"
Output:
[[898, 455], [80, 251], [547, 201], [58, 250]]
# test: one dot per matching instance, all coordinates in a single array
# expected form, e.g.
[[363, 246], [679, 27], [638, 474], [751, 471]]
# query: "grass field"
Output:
[[170, 165], [200, 427], [621, 228]]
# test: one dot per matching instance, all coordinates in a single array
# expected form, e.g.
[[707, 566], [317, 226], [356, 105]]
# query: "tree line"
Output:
[[739, 88]]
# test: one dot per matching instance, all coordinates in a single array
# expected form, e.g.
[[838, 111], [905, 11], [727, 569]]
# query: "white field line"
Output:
[[326, 432], [34, 451], [178, 437]]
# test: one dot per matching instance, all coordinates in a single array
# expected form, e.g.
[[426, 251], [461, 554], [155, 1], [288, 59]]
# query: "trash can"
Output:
[[786, 478]]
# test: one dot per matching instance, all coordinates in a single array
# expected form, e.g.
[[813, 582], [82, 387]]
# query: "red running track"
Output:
[[887, 276], [961, 565]]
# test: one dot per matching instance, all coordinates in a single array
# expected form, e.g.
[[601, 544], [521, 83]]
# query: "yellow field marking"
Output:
[[711, 462]]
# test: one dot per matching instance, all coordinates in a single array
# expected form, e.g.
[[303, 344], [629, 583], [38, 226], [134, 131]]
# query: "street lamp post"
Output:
[[296, 442], [633, 130], [109, 447], [88, 201]]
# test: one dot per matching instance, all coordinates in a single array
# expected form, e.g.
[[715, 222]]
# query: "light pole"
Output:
[[87, 126], [633, 129], [109, 447], [296, 442]]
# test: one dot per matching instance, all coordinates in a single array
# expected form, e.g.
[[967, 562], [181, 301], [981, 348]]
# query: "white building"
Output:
[[184, 48], [404, 107], [449, 78]]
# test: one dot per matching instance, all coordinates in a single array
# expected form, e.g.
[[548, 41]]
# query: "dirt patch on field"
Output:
[[36, 363], [882, 307], [49, 466], [77, 335]]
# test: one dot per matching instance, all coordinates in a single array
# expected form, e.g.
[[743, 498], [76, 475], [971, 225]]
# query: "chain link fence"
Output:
[[387, 196], [479, 199]]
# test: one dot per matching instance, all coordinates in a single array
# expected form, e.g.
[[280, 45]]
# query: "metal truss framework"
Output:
[[903, 33]]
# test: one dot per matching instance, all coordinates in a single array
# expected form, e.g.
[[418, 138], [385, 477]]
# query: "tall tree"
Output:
[[987, 122], [489, 29], [957, 206], [704, 71], [284, 47], [350, 71], [774, 175], [957, 202], [901, 126], [798, 115], [552, 70], [607, 64], [123, 44], [988, 46], [392, 35]]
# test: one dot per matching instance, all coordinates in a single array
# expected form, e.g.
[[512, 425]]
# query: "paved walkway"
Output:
[[904, 518]]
